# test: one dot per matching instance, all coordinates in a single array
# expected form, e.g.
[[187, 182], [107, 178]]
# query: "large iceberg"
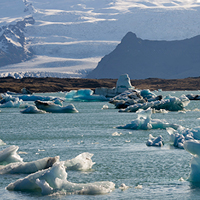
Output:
[[168, 103], [55, 108], [54, 179], [179, 136], [145, 122], [193, 147], [29, 167], [9, 155], [84, 95]]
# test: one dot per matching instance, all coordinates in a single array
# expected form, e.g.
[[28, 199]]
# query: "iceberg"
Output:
[[155, 141], [82, 162], [193, 96], [9, 155], [54, 179], [37, 97], [2, 142], [84, 95], [32, 110], [145, 122], [55, 108], [179, 136], [193, 147], [29, 167], [8, 101], [168, 103]]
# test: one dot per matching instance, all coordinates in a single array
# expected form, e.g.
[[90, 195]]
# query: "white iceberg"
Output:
[[168, 103], [2, 142], [193, 147], [29, 167], [179, 136], [145, 122], [32, 110], [155, 141], [84, 95], [55, 108], [8, 101], [82, 162], [9, 155], [54, 179]]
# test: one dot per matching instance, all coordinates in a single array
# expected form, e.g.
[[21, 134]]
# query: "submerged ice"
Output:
[[54, 179], [145, 122]]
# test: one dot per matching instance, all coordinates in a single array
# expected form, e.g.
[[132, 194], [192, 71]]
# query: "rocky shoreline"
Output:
[[49, 84]]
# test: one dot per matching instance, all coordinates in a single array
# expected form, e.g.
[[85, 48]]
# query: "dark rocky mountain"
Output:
[[13, 43], [151, 59]]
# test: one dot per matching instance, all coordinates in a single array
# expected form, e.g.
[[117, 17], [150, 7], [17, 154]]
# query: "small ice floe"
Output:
[[32, 110], [9, 155], [127, 141], [84, 95], [193, 147], [123, 187], [29, 167], [138, 187], [116, 134], [179, 136], [145, 122], [82, 162], [54, 179], [55, 108], [105, 107], [181, 179], [155, 141], [2, 142]]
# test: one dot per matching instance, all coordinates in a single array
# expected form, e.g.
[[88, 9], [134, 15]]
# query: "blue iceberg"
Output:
[[84, 95], [155, 141]]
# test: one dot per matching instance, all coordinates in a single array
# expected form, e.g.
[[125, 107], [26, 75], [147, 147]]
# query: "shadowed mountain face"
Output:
[[13, 43], [142, 59]]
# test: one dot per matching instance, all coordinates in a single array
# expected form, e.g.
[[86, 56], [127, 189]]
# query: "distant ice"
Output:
[[155, 141]]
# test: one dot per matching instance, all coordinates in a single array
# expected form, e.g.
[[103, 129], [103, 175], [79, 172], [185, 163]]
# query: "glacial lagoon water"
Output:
[[120, 159]]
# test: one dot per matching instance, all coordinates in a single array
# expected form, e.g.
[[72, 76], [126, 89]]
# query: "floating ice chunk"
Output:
[[84, 95], [138, 187], [29, 167], [105, 106], [123, 187], [2, 142], [54, 108], [36, 97], [193, 147], [82, 162], [54, 179], [32, 110], [153, 141], [169, 103], [116, 134], [145, 122], [9, 155], [179, 136]]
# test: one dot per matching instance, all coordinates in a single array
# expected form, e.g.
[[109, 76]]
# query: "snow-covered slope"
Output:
[[75, 34]]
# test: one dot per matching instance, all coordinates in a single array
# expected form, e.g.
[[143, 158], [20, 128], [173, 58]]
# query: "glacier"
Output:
[[54, 180]]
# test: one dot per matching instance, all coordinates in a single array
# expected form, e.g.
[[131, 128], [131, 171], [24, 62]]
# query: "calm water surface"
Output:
[[120, 159]]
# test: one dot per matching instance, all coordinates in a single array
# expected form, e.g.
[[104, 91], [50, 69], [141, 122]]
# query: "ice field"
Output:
[[120, 156]]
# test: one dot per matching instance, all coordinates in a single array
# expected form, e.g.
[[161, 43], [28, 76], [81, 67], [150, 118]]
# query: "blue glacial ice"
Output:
[[145, 122], [55, 108], [179, 136], [169, 103], [84, 95], [155, 141], [32, 110], [193, 147], [54, 179], [9, 155], [8, 101], [28, 167]]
